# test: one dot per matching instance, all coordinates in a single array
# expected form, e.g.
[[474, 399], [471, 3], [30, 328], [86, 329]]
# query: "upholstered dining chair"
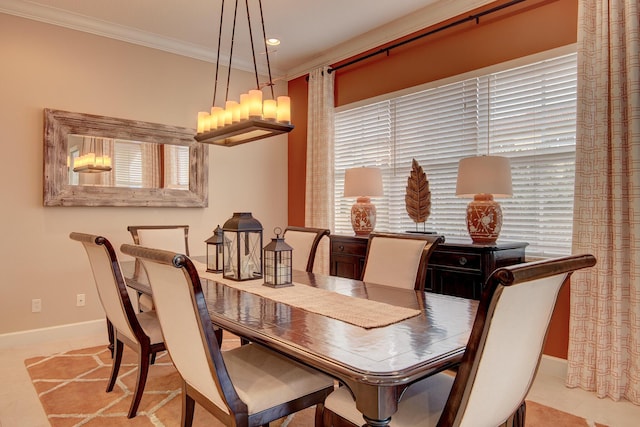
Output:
[[245, 386], [304, 241], [139, 331], [500, 361], [399, 260], [168, 237]]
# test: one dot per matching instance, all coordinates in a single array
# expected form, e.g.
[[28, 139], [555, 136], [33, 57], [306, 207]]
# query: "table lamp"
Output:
[[363, 183], [483, 178]]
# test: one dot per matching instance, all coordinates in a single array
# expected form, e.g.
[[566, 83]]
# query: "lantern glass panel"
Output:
[[244, 258]]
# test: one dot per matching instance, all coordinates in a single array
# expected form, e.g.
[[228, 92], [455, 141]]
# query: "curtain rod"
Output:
[[386, 50]]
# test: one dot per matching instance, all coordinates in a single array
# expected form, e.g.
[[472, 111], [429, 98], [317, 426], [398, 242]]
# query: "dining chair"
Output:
[[500, 361], [139, 331], [246, 386], [304, 241], [399, 260], [168, 237]]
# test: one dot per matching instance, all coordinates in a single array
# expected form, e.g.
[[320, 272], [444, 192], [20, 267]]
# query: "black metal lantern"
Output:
[[277, 262], [244, 259], [215, 248]]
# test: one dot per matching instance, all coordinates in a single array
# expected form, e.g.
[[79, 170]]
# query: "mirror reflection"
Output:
[[92, 160], [111, 162]]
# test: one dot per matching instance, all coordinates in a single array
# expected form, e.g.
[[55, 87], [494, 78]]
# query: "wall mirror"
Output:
[[92, 160]]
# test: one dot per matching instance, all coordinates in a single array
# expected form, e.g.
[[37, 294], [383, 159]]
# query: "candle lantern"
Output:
[[277, 262], [215, 251], [243, 260]]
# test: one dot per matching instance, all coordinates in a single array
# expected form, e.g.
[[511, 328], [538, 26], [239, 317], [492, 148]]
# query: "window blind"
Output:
[[127, 164], [527, 114]]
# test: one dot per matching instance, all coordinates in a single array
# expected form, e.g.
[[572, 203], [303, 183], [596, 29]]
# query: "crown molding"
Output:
[[73, 21]]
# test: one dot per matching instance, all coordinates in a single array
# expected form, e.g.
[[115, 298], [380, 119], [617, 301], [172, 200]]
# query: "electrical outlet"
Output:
[[80, 300], [36, 305]]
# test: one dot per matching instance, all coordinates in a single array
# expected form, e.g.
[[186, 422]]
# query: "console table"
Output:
[[456, 267]]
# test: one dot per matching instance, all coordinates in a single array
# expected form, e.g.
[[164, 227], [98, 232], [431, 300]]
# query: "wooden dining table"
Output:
[[377, 364]]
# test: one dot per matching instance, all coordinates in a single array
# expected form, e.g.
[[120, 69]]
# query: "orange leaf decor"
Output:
[[418, 197]]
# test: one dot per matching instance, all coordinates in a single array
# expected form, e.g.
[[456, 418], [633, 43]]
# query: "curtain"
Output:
[[604, 344], [319, 178], [151, 165]]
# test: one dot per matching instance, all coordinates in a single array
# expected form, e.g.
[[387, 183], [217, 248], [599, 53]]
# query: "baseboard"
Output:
[[52, 334], [550, 365]]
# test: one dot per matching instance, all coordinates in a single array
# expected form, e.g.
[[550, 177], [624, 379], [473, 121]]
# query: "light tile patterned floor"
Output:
[[19, 405]]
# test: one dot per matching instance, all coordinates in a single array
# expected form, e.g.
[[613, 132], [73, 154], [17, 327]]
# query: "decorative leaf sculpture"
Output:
[[418, 197]]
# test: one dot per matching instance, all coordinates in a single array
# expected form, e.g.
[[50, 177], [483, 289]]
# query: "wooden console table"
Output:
[[456, 267]]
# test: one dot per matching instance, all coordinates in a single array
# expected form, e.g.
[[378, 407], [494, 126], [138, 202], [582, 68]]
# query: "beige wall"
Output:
[[44, 66]]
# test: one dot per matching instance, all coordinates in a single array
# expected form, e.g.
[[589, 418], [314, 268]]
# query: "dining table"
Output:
[[376, 340]]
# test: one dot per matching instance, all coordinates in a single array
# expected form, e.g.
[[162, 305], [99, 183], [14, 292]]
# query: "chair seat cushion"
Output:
[[263, 378], [421, 404], [150, 325]]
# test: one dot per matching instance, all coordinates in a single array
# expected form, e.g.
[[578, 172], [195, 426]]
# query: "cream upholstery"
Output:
[[304, 242], [139, 331], [393, 262], [250, 375], [501, 359], [168, 237]]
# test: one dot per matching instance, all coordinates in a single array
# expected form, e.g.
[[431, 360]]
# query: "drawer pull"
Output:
[[341, 248], [462, 260]]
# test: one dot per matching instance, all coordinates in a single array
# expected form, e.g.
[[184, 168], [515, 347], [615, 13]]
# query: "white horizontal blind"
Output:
[[527, 114], [127, 164]]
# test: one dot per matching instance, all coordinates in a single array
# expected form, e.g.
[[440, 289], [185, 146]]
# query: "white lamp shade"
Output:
[[363, 181], [484, 175]]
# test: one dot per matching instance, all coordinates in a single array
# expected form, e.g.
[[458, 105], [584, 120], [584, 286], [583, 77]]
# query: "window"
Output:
[[527, 114]]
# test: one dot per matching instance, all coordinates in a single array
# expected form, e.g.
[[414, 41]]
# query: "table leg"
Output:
[[377, 423]]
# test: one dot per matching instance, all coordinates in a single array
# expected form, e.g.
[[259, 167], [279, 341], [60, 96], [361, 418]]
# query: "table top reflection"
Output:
[[376, 364]]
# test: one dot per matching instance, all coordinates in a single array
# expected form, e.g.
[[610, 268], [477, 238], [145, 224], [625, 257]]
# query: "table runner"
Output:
[[361, 312]]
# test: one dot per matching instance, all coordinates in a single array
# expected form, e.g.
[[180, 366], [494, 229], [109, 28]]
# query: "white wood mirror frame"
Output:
[[58, 125]]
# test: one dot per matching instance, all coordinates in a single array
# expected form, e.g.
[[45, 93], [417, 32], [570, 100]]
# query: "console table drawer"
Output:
[[349, 248], [444, 258]]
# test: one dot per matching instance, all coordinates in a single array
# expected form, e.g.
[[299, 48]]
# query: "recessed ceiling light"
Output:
[[273, 42]]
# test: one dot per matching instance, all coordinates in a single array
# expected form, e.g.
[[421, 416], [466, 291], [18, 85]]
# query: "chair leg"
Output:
[[153, 359], [518, 417], [115, 365], [143, 371], [110, 335], [319, 415], [218, 334], [188, 406]]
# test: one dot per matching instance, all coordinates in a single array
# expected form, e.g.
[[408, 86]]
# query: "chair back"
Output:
[[399, 260], [112, 290], [173, 238], [186, 323], [304, 241], [506, 342]]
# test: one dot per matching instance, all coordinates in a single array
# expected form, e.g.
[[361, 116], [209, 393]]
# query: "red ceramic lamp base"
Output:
[[363, 216], [484, 219]]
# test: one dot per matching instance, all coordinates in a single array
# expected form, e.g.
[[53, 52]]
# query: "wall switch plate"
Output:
[[80, 300], [36, 305]]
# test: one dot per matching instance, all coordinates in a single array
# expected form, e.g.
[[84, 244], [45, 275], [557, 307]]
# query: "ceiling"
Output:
[[312, 32]]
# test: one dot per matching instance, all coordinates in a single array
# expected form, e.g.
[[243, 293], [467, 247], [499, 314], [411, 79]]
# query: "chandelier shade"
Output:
[[250, 118]]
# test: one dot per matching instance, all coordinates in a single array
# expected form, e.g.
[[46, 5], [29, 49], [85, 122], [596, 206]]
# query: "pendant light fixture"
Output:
[[93, 158], [250, 118]]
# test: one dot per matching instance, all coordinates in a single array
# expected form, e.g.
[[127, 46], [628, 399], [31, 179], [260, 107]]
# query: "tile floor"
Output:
[[19, 405]]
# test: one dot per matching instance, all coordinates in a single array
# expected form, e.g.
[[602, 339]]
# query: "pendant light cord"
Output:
[[233, 35], [215, 87], [253, 51], [266, 50]]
